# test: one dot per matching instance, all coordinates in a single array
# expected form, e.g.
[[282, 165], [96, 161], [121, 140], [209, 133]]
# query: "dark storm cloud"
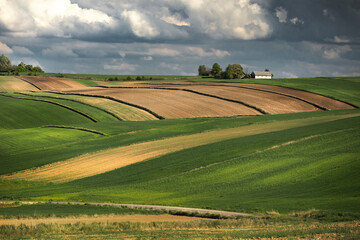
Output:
[[291, 38], [323, 19]]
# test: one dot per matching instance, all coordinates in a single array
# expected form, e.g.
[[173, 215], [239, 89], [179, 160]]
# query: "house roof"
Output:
[[263, 73]]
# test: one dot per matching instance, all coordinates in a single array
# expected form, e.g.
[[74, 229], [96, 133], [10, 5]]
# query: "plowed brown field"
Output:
[[268, 102], [52, 83], [175, 104], [320, 100]]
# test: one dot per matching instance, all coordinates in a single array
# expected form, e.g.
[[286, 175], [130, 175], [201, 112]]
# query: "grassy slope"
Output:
[[18, 113], [319, 172], [34, 144], [94, 112]]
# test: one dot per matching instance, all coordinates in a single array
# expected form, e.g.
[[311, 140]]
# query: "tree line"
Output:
[[232, 71], [9, 69]]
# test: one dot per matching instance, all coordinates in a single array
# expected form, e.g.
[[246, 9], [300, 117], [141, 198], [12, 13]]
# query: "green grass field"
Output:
[[286, 171]]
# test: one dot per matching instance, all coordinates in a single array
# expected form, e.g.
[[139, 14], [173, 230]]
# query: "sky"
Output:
[[292, 38]]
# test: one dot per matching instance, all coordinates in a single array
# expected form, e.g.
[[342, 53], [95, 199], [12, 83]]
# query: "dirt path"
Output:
[[151, 207], [98, 219], [108, 160]]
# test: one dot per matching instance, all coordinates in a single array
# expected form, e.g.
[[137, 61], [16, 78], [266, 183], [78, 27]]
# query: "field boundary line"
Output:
[[72, 100], [196, 92], [185, 210], [54, 103], [113, 99], [29, 83], [75, 128]]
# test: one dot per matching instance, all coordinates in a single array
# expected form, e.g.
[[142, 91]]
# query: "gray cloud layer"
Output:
[[292, 38]]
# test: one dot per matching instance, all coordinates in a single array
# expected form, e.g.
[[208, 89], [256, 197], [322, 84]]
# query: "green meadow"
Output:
[[310, 169]]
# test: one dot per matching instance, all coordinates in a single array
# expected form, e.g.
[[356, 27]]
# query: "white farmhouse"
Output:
[[261, 75]]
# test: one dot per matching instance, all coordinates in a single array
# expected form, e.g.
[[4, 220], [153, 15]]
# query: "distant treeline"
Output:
[[7, 68], [232, 71]]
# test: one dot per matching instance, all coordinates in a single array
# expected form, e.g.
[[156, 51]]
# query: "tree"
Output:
[[216, 70], [202, 70], [29, 68], [21, 67], [234, 71], [5, 63], [38, 69]]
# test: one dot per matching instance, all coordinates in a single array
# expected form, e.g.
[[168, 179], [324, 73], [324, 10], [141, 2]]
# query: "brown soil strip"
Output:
[[99, 219], [51, 83], [266, 101], [244, 87], [108, 160], [54, 103], [318, 99], [225, 98], [176, 104]]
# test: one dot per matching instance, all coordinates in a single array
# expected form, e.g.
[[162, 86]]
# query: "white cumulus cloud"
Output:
[[175, 20], [281, 14], [4, 49], [60, 18], [336, 51], [139, 24], [239, 19], [297, 21], [125, 67], [147, 58]]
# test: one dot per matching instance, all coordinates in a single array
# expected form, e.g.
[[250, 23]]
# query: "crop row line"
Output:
[[73, 100], [75, 128], [113, 99], [30, 83], [55, 103]]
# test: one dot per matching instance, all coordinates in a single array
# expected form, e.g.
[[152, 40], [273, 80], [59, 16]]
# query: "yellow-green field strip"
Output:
[[54, 103], [120, 111], [157, 116], [72, 100], [108, 160], [10, 83]]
